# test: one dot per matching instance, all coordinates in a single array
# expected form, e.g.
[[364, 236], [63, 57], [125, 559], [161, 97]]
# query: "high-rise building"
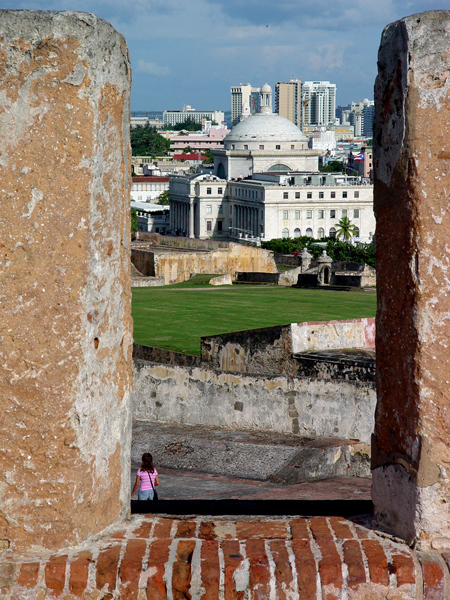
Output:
[[368, 112], [288, 101], [319, 102], [240, 95]]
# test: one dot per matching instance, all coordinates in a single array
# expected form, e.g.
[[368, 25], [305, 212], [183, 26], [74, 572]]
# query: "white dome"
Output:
[[266, 89], [264, 128]]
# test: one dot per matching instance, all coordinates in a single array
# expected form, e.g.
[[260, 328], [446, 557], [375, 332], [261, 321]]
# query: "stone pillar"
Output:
[[411, 444], [191, 217], [66, 338]]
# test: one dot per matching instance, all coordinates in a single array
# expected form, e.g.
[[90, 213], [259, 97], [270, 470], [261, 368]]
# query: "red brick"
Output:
[[158, 557], [320, 529], [79, 573], [8, 574], [259, 569], [354, 561], [119, 535], [299, 529], [377, 560], [405, 569], [210, 569], [341, 528], [330, 565], [131, 568], [181, 570], [162, 528], [186, 529], [232, 560], [433, 576], [261, 529], [55, 574], [305, 565], [207, 531], [107, 563], [363, 534], [284, 578], [144, 530], [28, 574]]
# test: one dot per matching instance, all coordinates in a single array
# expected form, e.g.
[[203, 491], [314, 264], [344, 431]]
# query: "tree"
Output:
[[146, 141], [189, 124], [346, 230], [134, 220], [188, 150], [164, 198], [209, 157], [334, 166]]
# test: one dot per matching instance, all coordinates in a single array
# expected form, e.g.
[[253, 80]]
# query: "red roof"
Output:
[[150, 178], [193, 156]]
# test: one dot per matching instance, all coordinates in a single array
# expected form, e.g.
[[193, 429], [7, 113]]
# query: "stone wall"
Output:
[[270, 350], [205, 396], [177, 266], [64, 227]]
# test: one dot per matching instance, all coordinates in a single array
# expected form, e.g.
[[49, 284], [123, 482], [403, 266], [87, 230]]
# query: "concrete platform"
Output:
[[262, 456]]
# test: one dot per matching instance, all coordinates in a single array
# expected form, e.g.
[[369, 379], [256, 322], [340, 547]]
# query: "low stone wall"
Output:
[[160, 355], [331, 335], [147, 281], [204, 396]]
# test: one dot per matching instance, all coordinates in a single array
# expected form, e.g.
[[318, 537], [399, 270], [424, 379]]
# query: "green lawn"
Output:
[[176, 317]]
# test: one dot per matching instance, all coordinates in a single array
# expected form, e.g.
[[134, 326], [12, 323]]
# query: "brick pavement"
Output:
[[153, 558]]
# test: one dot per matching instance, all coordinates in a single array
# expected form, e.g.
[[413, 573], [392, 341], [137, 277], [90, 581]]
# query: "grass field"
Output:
[[176, 317]]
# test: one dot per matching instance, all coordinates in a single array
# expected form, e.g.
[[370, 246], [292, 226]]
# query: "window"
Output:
[[209, 209], [320, 233], [320, 214], [285, 195], [220, 209], [209, 191], [139, 198], [309, 214], [356, 234], [309, 232], [320, 194], [356, 194], [333, 194], [219, 226], [261, 146], [309, 195], [332, 232], [277, 147], [245, 146], [232, 146], [332, 214], [297, 232], [344, 212], [219, 190], [285, 233], [285, 215], [356, 213], [344, 194], [208, 225], [292, 146], [297, 195], [149, 198], [297, 214], [135, 187]]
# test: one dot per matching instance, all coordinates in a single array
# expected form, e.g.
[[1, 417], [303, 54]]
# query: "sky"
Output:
[[192, 51]]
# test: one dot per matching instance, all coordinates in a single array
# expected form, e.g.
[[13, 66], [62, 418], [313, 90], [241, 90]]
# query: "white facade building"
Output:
[[266, 185], [244, 98], [319, 102], [147, 188], [174, 117]]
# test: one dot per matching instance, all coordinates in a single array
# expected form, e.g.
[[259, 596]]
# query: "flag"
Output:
[[359, 156]]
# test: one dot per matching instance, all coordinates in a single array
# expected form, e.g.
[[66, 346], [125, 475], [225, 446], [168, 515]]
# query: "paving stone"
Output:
[[107, 563], [28, 574], [158, 557], [186, 529], [377, 562], [131, 568], [55, 573], [259, 569], [354, 561], [79, 572], [162, 528], [284, 577], [306, 567], [210, 569], [233, 560], [207, 531], [181, 570], [262, 529]]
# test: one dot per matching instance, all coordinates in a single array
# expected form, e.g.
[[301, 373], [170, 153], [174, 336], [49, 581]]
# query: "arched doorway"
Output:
[[326, 276]]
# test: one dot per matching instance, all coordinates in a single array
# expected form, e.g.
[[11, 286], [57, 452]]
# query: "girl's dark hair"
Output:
[[147, 462]]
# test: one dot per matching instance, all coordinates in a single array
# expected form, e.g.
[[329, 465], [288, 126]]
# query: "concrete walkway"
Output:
[[153, 558]]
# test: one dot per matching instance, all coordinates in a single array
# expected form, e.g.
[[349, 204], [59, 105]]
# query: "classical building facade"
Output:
[[266, 184]]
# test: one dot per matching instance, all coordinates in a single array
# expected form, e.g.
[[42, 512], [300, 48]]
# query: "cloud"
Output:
[[152, 69]]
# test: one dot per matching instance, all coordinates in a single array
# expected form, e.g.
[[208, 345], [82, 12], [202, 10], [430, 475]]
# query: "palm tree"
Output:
[[346, 230]]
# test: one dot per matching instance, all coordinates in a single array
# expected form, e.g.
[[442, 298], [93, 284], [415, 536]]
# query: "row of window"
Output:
[[149, 187], [309, 195], [261, 147], [246, 193], [321, 214], [209, 225], [309, 232], [209, 208], [209, 191]]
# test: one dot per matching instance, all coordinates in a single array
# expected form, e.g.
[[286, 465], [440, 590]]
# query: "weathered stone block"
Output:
[[411, 450], [65, 277]]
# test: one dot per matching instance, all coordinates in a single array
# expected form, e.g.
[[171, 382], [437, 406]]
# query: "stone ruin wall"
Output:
[[65, 278]]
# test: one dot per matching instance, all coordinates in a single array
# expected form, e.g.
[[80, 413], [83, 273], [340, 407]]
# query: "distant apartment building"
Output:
[[174, 117], [245, 99], [148, 188], [359, 115], [319, 102], [288, 101], [211, 137]]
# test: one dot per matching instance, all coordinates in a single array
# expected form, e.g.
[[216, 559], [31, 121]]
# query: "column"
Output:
[[66, 376], [411, 444], [191, 217]]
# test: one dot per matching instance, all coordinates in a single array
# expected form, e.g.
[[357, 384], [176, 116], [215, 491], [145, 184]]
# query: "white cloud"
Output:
[[152, 69]]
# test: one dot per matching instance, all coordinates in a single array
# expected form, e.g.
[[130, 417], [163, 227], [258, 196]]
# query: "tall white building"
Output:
[[173, 117], [243, 95], [319, 102]]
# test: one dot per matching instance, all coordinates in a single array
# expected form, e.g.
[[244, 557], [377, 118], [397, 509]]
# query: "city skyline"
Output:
[[192, 52]]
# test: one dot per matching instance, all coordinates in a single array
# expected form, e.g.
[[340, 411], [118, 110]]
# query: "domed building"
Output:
[[264, 142], [266, 184]]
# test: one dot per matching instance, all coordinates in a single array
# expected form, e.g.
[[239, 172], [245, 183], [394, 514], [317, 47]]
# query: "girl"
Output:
[[146, 475]]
